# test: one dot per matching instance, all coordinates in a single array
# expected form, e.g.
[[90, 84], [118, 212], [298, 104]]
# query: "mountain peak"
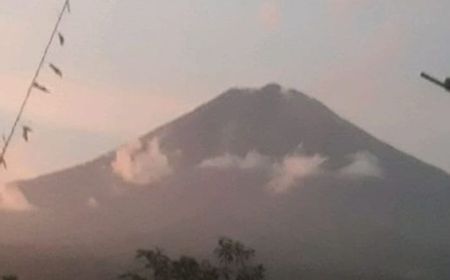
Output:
[[269, 97], [272, 87]]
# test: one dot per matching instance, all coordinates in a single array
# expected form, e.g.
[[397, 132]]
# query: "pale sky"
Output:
[[132, 65]]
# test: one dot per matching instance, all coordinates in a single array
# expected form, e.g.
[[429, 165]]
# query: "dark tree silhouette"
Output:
[[188, 268], [9, 277], [234, 262], [157, 264]]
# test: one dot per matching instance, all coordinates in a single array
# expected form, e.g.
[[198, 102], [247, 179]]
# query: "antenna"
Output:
[[445, 84]]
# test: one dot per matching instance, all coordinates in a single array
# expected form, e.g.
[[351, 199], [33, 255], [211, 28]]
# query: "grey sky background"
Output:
[[132, 65]]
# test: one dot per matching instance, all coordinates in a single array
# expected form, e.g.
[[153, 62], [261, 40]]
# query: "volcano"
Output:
[[316, 196]]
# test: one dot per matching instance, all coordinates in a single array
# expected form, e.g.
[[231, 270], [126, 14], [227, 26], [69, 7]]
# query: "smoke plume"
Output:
[[12, 199], [364, 164], [252, 160], [141, 165], [291, 170]]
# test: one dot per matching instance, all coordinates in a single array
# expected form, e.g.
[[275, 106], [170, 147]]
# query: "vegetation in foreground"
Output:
[[233, 261]]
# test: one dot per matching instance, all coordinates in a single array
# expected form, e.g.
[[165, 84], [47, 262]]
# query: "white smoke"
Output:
[[270, 15], [291, 170], [283, 175], [364, 164], [92, 202], [139, 165], [253, 160], [12, 199]]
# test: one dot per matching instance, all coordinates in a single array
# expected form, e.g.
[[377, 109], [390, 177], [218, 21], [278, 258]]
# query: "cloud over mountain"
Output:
[[293, 168], [12, 199], [364, 164], [141, 164], [282, 175], [252, 160]]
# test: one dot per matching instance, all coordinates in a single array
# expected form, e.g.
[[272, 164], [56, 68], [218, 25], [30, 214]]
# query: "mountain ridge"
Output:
[[236, 92], [271, 167]]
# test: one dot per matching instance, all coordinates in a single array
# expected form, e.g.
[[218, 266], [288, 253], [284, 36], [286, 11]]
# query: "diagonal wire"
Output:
[[33, 81]]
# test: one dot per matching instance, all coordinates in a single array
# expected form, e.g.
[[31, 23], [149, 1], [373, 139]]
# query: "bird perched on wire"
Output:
[[41, 87], [56, 70], [3, 162], [61, 39], [25, 132]]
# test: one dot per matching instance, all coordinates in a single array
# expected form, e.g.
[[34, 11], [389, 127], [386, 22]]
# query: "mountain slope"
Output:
[[272, 167]]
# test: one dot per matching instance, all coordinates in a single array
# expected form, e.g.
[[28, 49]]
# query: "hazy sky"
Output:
[[132, 65]]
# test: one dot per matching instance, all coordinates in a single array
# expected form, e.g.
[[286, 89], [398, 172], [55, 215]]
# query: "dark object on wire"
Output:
[[25, 132], [56, 70], [445, 84], [40, 87], [61, 39], [3, 162]]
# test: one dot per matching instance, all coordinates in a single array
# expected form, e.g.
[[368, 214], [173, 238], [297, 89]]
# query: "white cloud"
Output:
[[141, 165], [292, 169], [92, 202], [270, 14], [12, 199], [364, 164], [252, 160], [287, 173], [283, 175]]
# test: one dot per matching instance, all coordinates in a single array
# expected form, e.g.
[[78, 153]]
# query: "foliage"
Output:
[[234, 261], [9, 277]]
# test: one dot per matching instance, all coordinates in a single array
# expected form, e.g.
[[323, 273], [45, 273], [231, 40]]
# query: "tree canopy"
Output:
[[233, 261]]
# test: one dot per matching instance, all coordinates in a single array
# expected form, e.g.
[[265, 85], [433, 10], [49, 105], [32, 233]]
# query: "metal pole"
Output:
[[432, 79]]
